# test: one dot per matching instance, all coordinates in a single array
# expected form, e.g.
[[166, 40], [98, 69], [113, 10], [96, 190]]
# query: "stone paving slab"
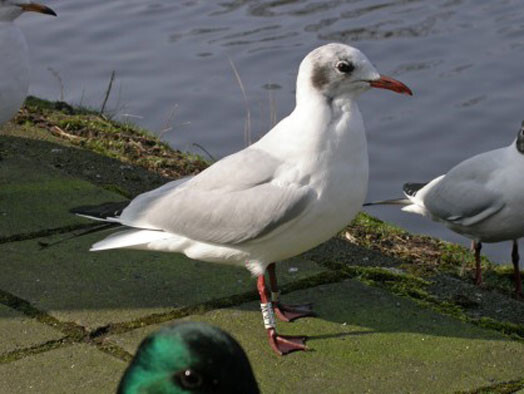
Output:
[[18, 331], [73, 369], [367, 340], [97, 288], [35, 197]]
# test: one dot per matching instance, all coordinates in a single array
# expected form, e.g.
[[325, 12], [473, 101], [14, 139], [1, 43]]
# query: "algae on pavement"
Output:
[[365, 340]]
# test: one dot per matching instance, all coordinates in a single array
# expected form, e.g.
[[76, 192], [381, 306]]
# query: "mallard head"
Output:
[[189, 358]]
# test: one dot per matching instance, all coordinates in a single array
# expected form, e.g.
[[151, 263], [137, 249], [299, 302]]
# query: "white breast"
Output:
[[14, 70], [337, 169]]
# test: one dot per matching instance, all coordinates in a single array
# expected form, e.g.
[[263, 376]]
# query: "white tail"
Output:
[[129, 239]]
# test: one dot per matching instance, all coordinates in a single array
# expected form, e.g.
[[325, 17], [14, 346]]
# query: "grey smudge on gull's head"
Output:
[[337, 69]]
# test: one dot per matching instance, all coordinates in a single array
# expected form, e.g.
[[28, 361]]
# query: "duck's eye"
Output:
[[189, 379], [345, 67]]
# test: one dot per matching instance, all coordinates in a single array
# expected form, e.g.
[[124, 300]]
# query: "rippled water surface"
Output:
[[463, 58]]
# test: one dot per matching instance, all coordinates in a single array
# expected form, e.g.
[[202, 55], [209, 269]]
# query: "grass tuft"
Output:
[[125, 142]]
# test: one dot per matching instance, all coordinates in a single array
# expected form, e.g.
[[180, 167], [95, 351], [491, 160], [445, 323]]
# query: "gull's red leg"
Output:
[[285, 312], [516, 269], [477, 246], [281, 344]]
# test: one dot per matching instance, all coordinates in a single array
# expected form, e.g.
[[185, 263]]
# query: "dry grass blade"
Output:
[[108, 92], [169, 122], [196, 145], [60, 81], [61, 133], [247, 127]]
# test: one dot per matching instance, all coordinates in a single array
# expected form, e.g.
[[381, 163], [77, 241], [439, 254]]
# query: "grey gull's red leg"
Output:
[[477, 246], [515, 259]]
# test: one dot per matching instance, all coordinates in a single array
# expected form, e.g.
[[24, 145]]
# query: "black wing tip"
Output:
[[101, 211], [394, 201], [411, 189], [80, 210]]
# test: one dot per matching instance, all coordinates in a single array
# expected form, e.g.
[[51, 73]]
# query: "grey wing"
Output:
[[233, 201], [233, 216], [149, 197], [463, 196]]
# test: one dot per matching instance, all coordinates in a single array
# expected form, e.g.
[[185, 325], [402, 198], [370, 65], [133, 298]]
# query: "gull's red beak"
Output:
[[34, 7], [389, 83]]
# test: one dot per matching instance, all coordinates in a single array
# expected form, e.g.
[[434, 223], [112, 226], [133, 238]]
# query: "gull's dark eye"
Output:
[[345, 67], [189, 379], [520, 139]]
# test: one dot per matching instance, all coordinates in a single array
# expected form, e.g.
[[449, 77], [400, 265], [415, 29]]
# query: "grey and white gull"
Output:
[[14, 56], [295, 188], [481, 198]]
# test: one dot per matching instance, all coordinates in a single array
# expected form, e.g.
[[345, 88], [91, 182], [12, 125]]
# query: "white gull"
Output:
[[14, 56], [293, 189]]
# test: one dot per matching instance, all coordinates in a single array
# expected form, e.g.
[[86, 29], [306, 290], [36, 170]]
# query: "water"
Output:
[[463, 59]]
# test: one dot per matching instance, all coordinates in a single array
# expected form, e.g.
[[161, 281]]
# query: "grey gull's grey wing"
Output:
[[462, 196]]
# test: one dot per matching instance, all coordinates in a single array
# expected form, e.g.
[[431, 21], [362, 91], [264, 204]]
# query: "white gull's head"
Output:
[[12, 9], [337, 70]]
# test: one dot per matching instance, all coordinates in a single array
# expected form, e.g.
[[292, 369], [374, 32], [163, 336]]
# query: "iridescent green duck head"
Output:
[[189, 358]]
